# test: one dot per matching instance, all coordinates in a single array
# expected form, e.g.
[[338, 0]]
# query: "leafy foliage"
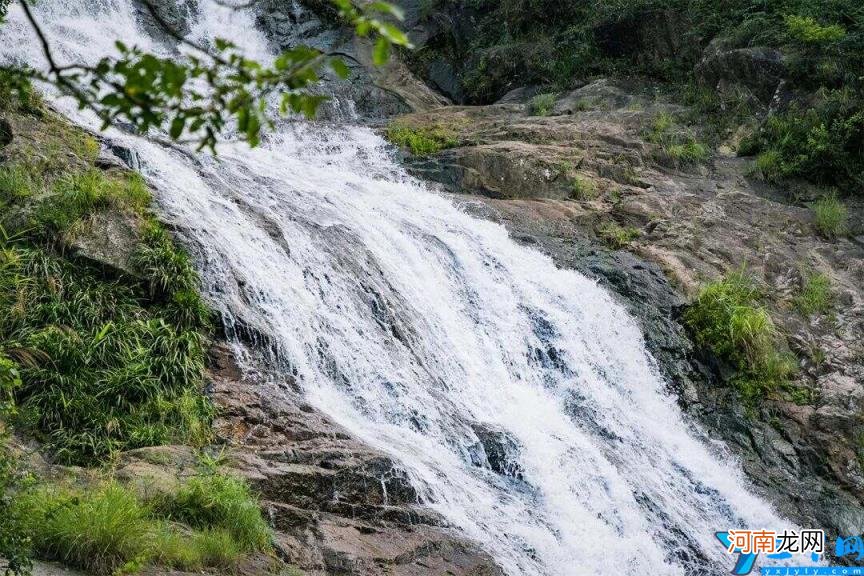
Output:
[[100, 371], [728, 319], [808, 30], [823, 143]]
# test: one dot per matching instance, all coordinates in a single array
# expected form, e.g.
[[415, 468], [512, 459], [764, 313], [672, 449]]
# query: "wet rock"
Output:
[[338, 507], [128, 156], [6, 134], [370, 91], [500, 451], [165, 20], [106, 160]]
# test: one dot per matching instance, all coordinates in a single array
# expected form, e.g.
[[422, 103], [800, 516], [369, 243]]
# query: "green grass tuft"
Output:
[[102, 369], [109, 529], [616, 236], [728, 319], [542, 104], [815, 296], [97, 531], [421, 140], [830, 216], [216, 500], [77, 195], [676, 145], [16, 184], [583, 188]]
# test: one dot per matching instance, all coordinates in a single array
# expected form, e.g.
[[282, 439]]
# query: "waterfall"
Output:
[[518, 397]]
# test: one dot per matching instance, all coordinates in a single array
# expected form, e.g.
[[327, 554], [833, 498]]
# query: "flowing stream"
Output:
[[426, 331]]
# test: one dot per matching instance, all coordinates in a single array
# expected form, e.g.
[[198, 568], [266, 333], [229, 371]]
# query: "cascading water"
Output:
[[424, 331]]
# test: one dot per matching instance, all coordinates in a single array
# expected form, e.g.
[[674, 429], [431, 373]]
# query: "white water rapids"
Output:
[[415, 326]]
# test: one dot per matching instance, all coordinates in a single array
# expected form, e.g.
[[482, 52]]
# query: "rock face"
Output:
[[337, 506], [371, 92], [166, 19], [693, 224], [109, 238], [760, 70]]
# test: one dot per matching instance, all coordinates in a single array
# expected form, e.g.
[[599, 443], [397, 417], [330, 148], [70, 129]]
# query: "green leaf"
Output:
[[177, 126], [381, 53], [340, 68]]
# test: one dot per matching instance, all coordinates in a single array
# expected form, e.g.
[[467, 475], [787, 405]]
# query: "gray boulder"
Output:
[[760, 70]]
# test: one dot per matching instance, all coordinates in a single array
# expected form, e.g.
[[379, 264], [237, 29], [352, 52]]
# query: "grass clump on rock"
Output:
[[215, 500], [110, 528], [542, 104], [583, 188], [676, 145], [617, 236], [815, 296], [830, 216], [728, 319], [102, 368], [421, 140]]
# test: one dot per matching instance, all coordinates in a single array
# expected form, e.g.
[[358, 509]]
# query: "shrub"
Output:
[[728, 319], [822, 143], [421, 140], [807, 30], [815, 296], [542, 104], [616, 236], [829, 217]]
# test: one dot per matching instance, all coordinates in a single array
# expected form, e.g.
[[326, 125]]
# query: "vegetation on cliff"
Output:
[[816, 130], [95, 360]]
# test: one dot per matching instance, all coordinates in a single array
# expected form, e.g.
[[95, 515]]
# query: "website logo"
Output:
[[748, 544]]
